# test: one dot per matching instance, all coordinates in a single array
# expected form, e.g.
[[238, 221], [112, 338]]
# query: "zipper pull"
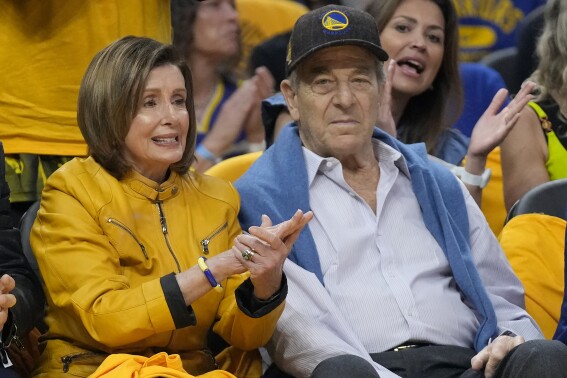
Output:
[[162, 219], [163, 224], [66, 362], [205, 245]]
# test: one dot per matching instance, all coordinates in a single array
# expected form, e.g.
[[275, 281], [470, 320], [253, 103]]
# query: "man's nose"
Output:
[[344, 96]]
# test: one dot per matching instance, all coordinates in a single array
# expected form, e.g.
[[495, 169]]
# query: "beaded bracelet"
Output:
[[205, 269]]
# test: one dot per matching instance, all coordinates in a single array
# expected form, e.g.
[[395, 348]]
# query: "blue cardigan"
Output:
[[277, 185]]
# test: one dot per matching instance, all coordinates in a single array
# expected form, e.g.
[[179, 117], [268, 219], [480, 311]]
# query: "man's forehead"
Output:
[[339, 57]]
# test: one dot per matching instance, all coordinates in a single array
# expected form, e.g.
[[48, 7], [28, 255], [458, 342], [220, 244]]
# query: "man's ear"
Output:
[[290, 98]]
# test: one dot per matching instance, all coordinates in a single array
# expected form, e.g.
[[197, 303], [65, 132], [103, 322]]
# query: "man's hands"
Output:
[[288, 230], [7, 300], [489, 358]]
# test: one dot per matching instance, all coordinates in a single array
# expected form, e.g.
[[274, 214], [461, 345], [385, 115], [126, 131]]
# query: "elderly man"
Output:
[[398, 272]]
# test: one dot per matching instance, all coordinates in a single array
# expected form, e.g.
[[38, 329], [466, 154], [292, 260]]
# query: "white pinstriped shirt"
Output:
[[385, 274]]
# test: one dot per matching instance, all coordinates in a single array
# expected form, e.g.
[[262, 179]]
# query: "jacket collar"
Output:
[[151, 189]]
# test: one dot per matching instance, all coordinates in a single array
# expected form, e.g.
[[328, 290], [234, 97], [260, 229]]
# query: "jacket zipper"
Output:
[[205, 242], [165, 232], [18, 342], [117, 223], [68, 359]]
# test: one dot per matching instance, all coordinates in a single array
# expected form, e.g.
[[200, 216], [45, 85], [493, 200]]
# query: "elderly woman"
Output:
[[140, 255]]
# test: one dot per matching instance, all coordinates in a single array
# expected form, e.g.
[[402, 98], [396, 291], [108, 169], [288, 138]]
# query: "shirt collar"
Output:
[[382, 151], [386, 153]]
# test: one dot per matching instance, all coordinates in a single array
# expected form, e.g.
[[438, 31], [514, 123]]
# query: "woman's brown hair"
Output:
[[428, 114], [110, 93]]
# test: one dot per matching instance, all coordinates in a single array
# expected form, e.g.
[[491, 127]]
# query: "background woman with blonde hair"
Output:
[[535, 151]]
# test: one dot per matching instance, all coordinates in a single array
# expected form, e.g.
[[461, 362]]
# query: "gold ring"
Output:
[[247, 254]]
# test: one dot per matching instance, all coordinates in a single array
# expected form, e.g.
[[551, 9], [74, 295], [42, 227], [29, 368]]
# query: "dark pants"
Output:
[[8, 372], [429, 361], [537, 358]]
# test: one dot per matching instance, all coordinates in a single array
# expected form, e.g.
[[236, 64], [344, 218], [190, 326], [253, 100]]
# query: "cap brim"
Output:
[[373, 48]]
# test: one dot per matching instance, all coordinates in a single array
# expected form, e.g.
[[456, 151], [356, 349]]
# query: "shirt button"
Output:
[[174, 190], [330, 164]]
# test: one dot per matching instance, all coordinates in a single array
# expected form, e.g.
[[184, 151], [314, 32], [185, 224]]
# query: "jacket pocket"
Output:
[[132, 235]]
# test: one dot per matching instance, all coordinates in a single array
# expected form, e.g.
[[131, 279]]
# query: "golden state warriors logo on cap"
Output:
[[334, 20]]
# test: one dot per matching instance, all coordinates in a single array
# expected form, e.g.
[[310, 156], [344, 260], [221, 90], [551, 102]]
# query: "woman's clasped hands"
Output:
[[264, 249]]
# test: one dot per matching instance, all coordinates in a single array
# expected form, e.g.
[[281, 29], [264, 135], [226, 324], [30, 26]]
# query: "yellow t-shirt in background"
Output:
[[45, 48]]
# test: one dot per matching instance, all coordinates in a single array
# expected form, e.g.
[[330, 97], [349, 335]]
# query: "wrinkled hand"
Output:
[[270, 246], [288, 230], [489, 358], [385, 119], [7, 300], [493, 127]]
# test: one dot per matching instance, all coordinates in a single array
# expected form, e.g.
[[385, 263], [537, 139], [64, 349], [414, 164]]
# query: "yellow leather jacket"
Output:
[[108, 251]]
